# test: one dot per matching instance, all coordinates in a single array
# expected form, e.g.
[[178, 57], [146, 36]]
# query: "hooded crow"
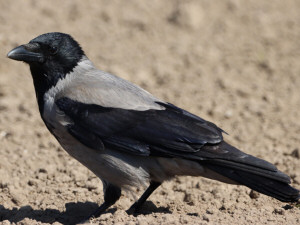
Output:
[[128, 137]]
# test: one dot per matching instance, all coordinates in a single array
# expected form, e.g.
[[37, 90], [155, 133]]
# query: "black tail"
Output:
[[254, 173], [276, 189]]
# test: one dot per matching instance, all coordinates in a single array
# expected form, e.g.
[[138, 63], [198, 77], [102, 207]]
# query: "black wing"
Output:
[[173, 132], [169, 132]]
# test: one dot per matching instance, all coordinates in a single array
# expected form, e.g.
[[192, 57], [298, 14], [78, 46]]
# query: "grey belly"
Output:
[[114, 167]]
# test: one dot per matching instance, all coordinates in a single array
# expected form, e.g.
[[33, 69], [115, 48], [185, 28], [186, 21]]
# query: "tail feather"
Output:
[[272, 174], [266, 185], [248, 170]]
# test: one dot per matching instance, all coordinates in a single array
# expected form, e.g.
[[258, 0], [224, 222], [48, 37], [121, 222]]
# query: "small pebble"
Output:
[[205, 217], [279, 211], [295, 153], [254, 194]]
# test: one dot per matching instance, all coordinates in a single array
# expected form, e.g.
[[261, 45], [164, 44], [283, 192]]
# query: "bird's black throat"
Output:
[[44, 80]]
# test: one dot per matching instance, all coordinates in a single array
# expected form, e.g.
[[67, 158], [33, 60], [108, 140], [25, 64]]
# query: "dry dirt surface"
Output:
[[236, 63]]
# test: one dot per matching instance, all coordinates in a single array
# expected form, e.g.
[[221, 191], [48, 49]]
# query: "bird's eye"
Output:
[[53, 50]]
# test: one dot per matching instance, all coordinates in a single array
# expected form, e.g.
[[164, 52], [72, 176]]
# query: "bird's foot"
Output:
[[133, 209]]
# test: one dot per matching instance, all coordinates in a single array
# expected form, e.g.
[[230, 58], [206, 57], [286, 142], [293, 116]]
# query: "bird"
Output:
[[126, 136]]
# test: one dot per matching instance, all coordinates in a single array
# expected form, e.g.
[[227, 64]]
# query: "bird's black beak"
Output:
[[27, 53]]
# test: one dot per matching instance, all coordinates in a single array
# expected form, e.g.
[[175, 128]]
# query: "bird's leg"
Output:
[[111, 195], [136, 206]]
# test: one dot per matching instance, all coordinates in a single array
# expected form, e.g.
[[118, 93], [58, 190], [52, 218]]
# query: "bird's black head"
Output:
[[51, 56], [56, 52]]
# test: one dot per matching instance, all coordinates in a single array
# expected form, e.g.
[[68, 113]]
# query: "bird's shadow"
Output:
[[74, 213], [149, 207]]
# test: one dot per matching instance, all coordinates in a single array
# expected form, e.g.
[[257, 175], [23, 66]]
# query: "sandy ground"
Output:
[[236, 63]]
